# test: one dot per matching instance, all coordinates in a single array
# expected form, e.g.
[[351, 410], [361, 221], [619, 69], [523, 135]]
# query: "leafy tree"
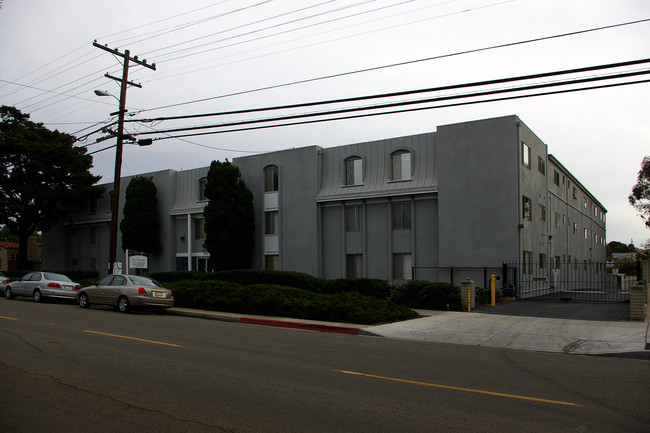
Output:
[[6, 235], [140, 226], [618, 247], [43, 177], [229, 218], [640, 197]]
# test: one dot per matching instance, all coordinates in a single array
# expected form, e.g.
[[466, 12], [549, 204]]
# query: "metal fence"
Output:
[[456, 275], [582, 281]]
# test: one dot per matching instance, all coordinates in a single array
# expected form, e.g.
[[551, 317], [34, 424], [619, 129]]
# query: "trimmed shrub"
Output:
[[167, 277], [366, 286], [247, 277], [428, 295], [276, 300], [484, 297]]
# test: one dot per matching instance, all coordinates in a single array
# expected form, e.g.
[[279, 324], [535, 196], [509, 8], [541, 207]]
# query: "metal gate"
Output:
[[582, 281]]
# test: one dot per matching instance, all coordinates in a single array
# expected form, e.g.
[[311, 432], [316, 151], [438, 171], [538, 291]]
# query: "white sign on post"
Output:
[[138, 262]]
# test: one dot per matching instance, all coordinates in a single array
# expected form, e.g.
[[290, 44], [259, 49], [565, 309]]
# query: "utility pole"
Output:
[[124, 83]]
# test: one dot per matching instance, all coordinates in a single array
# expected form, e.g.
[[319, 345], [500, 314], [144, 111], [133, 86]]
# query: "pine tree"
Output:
[[140, 226], [229, 218]]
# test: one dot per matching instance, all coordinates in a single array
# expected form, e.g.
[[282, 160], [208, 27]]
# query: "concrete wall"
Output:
[[478, 198], [298, 213]]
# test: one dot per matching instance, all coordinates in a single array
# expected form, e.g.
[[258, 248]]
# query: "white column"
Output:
[[189, 241]]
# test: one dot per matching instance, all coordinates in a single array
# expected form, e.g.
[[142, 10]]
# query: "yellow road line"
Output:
[[132, 338], [456, 388], [8, 318]]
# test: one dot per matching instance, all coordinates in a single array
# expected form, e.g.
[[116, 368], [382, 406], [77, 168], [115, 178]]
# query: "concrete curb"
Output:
[[265, 321]]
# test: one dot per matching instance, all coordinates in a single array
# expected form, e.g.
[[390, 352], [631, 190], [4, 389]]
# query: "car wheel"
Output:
[[8, 293], [123, 305], [38, 297], [83, 301]]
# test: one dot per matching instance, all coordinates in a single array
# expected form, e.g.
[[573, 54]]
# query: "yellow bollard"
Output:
[[493, 290], [469, 300]]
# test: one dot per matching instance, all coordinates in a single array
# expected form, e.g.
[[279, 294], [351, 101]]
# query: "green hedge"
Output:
[[276, 300], [428, 296], [484, 296], [366, 286]]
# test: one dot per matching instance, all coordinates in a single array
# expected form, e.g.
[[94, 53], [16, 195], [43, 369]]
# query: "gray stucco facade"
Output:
[[454, 203]]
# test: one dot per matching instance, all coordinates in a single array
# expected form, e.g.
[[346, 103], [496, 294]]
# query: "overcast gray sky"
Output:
[[206, 49]]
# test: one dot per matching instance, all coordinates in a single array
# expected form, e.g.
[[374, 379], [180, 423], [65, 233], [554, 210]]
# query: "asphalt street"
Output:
[[102, 371]]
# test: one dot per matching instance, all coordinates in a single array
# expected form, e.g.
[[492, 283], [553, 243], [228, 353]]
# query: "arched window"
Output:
[[401, 165], [353, 171], [270, 178]]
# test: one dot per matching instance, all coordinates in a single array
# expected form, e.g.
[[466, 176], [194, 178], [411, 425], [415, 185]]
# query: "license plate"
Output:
[[158, 294]]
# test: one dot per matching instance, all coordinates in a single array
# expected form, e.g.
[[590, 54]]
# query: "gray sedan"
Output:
[[39, 285], [125, 292]]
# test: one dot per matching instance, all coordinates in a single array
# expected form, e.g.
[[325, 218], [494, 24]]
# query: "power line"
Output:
[[405, 92], [409, 110], [409, 62], [402, 103]]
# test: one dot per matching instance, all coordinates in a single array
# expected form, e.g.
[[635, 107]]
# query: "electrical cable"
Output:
[[409, 110], [402, 103], [409, 62], [405, 92]]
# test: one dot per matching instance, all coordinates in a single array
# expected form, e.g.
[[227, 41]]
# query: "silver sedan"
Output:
[[125, 292], [39, 285]]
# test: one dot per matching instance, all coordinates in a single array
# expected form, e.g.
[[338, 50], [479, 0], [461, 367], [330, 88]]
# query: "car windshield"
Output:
[[56, 277], [144, 281]]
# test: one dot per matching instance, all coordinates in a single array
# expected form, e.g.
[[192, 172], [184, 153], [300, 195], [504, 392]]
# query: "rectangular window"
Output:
[[575, 228], [585, 234], [202, 183], [528, 262], [525, 208], [199, 228], [353, 218], [556, 219], [402, 266], [556, 178], [271, 178], [542, 212], [542, 262], [575, 193], [402, 216], [556, 265], [525, 155], [541, 165], [271, 220], [272, 262], [354, 266]]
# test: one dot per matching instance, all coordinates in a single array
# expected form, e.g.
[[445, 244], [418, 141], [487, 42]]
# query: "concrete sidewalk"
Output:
[[521, 332], [479, 329]]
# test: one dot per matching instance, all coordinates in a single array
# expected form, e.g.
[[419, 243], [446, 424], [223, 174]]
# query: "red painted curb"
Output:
[[301, 325]]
